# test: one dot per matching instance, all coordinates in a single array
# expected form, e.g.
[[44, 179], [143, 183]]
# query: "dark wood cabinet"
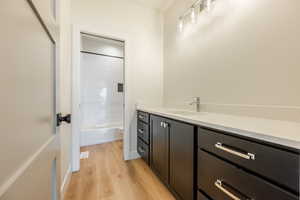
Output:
[[267, 161], [143, 136], [201, 196], [172, 155], [160, 147], [221, 165], [182, 159], [143, 150], [143, 131], [223, 181], [143, 116]]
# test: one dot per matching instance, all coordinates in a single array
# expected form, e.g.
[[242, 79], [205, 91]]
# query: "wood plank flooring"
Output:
[[106, 176]]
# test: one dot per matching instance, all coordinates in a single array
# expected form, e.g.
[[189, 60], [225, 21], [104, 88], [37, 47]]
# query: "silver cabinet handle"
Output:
[[248, 156], [219, 185], [141, 150], [166, 125], [141, 116], [141, 130]]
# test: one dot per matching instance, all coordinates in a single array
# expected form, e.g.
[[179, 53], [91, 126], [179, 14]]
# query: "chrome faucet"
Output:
[[197, 102]]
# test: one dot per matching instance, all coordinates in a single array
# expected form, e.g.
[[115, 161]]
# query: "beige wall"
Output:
[[142, 29], [242, 58], [65, 84]]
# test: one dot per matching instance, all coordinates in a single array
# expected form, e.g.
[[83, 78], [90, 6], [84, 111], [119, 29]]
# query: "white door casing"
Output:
[[29, 141], [129, 104]]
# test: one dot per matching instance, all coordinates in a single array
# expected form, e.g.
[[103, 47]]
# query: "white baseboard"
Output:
[[65, 183], [133, 155], [92, 137]]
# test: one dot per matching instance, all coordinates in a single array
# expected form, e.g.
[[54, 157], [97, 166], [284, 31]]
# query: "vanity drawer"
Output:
[[200, 196], [143, 150], [279, 166], [223, 181], [143, 116], [143, 131]]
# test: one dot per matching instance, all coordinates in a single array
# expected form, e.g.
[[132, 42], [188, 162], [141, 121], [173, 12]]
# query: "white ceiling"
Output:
[[158, 4]]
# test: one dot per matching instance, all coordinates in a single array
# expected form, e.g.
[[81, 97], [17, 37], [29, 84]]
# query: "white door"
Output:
[[29, 143]]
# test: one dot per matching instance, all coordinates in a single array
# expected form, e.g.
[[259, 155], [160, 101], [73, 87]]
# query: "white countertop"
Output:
[[284, 133]]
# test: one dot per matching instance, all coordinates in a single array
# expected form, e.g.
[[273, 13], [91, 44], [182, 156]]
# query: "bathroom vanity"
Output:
[[207, 156]]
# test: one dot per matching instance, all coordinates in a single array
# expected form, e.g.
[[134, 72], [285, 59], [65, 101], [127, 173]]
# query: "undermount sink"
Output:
[[183, 112]]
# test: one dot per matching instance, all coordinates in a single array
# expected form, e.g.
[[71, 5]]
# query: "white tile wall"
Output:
[[101, 103]]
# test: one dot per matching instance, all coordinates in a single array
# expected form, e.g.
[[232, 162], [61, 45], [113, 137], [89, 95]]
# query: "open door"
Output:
[[29, 141]]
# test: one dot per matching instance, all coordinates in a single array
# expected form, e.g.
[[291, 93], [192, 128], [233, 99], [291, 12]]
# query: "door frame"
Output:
[[128, 108]]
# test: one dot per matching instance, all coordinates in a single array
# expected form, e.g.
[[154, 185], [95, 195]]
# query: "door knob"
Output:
[[60, 119]]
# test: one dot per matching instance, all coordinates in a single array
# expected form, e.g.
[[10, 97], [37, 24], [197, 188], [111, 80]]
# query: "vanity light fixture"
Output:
[[200, 5]]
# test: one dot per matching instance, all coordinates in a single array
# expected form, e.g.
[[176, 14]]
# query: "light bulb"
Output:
[[193, 15], [180, 24]]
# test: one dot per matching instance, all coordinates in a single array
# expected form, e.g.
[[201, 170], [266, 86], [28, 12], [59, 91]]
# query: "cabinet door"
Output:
[[160, 148], [182, 159]]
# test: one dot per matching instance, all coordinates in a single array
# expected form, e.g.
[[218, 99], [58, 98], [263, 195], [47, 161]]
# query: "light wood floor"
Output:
[[106, 176]]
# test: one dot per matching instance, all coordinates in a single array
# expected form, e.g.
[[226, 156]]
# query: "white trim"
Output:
[[21, 170], [75, 99], [92, 138], [129, 110], [66, 182], [134, 155]]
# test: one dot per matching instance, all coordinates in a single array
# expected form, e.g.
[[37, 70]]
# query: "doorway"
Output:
[[101, 90], [98, 92]]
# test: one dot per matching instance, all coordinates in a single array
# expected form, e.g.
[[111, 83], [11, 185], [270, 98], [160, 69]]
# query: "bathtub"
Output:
[[101, 133]]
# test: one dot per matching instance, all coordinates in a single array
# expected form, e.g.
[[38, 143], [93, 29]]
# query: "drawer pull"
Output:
[[219, 185], [166, 125], [141, 131], [247, 156], [141, 117], [162, 124], [141, 150]]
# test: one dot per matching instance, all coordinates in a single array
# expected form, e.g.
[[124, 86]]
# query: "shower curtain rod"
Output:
[[100, 54], [97, 36]]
